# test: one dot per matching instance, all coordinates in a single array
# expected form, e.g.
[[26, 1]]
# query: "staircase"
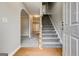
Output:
[[50, 38]]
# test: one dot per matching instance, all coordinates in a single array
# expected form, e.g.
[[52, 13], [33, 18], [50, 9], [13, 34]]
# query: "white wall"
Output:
[[43, 9], [56, 17], [10, 31]]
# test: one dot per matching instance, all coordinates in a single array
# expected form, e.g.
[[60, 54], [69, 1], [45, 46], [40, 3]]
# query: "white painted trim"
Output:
[[29, 27], [66, 22], [75, 25], [30, 24], [76, 11], [64, 15], [70, 25], [56, 30], [70, 14], [76, 45], [12, 53]]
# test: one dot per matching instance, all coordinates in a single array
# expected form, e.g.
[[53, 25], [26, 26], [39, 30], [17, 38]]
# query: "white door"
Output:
[[71, 29]]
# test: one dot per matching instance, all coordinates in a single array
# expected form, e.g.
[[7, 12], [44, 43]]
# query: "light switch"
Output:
[[4, 20]]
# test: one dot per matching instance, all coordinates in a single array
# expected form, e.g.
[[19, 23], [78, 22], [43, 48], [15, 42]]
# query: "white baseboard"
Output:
[[11, 54], [56, 30]]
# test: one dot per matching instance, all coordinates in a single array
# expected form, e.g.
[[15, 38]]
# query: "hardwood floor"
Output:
[[39, 52]]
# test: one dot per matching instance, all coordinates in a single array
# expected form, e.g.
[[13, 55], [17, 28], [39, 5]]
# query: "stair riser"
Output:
[[47, 25], [54, 35], [49, 35], [48, 28], [52, 40], [51, 46], [49, 32]]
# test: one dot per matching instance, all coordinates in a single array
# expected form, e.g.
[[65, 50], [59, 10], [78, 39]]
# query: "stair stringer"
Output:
[[55, 29]]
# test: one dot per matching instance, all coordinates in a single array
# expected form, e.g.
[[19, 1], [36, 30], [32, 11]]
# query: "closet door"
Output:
[[72, 28]]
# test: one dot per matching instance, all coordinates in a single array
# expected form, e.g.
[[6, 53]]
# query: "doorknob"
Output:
[[62, 25]]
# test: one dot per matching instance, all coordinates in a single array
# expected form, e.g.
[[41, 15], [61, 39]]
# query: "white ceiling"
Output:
[[33, 7]]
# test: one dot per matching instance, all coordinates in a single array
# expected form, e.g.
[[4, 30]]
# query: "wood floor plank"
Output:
[[39, 52]]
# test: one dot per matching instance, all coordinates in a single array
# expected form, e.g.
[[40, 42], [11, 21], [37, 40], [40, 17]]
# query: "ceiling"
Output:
[[33, 7]]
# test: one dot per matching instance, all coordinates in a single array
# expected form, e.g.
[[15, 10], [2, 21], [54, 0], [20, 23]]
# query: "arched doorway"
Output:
[[24, 26], [26, 41]]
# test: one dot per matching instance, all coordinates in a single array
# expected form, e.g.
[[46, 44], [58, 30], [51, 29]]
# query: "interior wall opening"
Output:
[[24, 27]]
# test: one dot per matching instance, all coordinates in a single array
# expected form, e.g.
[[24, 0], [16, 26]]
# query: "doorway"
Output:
[[24, 28], [32, 48], [26, 40]]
